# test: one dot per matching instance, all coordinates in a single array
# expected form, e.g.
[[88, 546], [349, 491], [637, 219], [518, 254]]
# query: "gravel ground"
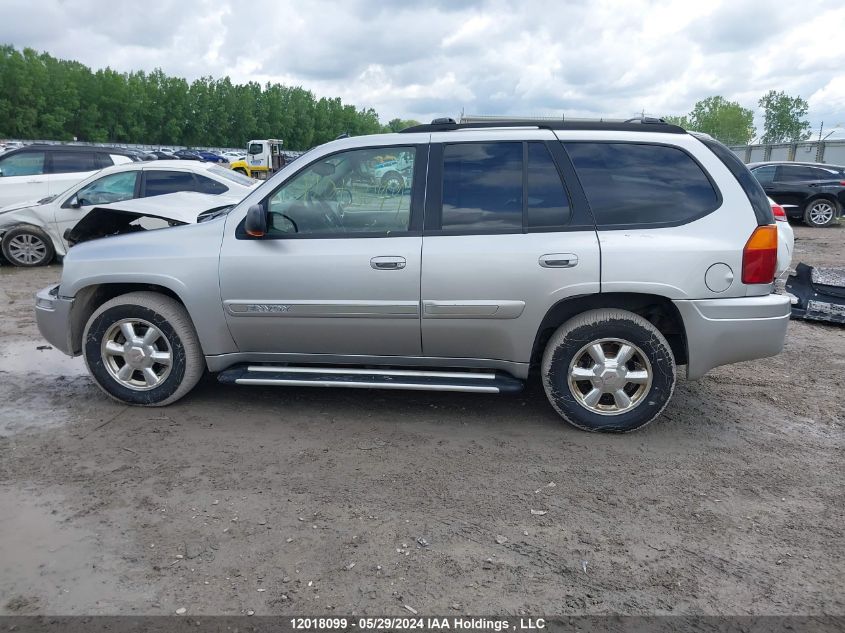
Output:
[[343, 501]]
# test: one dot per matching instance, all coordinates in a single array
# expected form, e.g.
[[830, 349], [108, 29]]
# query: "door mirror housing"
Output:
[[75, 202], [255, 223]]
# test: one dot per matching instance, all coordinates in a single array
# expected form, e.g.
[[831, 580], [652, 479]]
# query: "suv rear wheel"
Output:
[[142, 349], [820, 212], [608, 370]]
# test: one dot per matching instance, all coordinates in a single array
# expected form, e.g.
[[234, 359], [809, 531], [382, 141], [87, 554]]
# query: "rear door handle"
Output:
[[559, 260], [388, 262]]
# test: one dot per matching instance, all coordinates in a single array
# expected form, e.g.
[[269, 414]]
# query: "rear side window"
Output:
[[486, 188], [482, 186], [158, 182], [71, 162], [633, 184], [547, 204], [207, 185], [752, 188], [801, 173]]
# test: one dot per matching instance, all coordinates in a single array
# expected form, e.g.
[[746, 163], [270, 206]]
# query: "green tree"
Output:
[[783, 118], [724, 120], [397, 125]]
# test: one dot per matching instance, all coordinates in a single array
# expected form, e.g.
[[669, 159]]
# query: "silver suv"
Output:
[[602, 254]]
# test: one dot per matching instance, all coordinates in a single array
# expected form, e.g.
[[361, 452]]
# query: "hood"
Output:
[[183, 207], [17, 206], [117, 218]]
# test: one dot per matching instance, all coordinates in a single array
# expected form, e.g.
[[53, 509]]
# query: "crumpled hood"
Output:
[[183, 206]]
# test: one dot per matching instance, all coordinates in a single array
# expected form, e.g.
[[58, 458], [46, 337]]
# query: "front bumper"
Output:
[[52, 313], [724, 331]]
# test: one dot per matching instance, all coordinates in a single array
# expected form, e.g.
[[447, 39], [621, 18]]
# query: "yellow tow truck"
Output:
[[264, 157]]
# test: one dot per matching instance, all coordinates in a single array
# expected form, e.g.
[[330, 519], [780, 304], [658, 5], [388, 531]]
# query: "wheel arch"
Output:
[[89, 298], [830, 197], [656, 309]]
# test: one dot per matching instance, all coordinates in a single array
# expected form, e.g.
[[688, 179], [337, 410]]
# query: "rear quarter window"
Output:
[[639, 184]]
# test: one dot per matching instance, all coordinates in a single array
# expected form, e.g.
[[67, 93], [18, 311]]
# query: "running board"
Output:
[[413, 379]]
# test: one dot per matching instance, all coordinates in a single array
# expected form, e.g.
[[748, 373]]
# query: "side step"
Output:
[[413, 379]]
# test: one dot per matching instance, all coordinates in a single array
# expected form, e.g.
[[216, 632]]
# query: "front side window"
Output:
[[73, 162], [359, 191], [255, 148], [22, 164], [764, 175], [111, 188], [629, 184]]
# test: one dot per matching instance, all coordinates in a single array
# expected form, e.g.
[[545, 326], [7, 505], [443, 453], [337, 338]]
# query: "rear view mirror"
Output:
[[255, 223]]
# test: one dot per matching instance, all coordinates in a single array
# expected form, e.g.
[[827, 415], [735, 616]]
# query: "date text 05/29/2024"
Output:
[[418, 624]]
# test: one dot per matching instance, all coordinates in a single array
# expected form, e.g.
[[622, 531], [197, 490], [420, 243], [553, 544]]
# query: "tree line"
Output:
[[42, 97], [729, 122]]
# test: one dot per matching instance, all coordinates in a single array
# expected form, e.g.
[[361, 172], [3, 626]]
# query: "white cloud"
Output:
[[582, 58]]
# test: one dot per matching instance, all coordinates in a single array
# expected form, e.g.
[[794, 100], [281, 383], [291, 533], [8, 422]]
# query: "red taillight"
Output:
[[779, 213], [760, 256]]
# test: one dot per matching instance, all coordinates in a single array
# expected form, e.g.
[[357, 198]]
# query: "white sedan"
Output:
[[33, 232]]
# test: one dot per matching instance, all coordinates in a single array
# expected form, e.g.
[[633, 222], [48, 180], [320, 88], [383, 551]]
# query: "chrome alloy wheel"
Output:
[[136, 354], [27, 249], [821, 212], [610, 376]]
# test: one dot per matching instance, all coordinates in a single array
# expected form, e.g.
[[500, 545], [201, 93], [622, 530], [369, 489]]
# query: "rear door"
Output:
[[504, 240], [66, 168]]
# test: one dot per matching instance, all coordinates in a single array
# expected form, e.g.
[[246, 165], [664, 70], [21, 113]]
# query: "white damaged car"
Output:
[[33, 233]]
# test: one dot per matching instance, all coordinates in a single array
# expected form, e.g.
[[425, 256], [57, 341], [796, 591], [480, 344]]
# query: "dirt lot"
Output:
[[313, 501]]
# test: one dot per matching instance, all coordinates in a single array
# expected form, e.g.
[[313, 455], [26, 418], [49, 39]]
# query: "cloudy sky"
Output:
[[442, 57]]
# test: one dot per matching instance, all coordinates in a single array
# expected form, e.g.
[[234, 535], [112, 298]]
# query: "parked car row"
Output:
[[32, 233]]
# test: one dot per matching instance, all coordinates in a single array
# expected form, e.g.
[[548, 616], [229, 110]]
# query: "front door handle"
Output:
[[559, 260], [388, 262]]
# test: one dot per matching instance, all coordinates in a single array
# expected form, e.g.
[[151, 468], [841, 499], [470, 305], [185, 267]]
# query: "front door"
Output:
[[504, 240], [105, 190], [338, 271], [23, 177]]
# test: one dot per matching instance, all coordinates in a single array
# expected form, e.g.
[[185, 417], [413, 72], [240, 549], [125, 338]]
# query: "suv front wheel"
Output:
[[141, 348], [608, 370]]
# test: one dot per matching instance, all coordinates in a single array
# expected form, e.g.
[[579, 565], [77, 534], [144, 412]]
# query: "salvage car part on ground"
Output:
[[819, 293]]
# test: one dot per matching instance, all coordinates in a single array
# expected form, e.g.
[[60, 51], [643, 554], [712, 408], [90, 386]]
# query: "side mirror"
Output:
[[75, 202], [255, 224]]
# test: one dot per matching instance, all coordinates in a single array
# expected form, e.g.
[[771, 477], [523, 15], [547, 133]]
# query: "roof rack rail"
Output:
[[636, 124]]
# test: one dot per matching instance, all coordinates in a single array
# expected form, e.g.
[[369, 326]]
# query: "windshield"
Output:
[[234, 176]]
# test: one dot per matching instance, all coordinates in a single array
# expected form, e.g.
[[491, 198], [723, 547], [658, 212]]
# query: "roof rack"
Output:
[[637, 124]]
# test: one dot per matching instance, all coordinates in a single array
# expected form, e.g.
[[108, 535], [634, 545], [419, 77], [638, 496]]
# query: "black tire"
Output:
[[178, 336], [820, 212], [27, 246], [653, 356]]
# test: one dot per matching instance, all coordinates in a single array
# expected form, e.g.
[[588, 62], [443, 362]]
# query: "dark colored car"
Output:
[[163, 155], [187, 154], [812, 192], [210, 157]]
